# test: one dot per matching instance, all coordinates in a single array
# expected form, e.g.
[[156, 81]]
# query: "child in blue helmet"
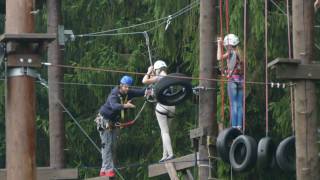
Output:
[[110, 113]]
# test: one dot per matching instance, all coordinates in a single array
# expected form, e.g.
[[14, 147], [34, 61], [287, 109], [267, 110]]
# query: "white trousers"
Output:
[[164, 116]]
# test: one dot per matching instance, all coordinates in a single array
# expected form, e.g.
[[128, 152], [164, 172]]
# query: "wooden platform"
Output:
[[47, 173], [180, 163]]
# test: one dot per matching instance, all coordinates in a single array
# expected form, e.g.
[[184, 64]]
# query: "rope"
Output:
[[142, 74], [266, 62], [244, 65], [227, 16], [163, 19], [146, 36], [289, 30], [134, 120], [290, 56], [222, 65]]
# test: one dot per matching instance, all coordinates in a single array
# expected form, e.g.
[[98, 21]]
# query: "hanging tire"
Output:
[[224, 141], [285, 154], [243, 153], [173, 90], [266, 151]]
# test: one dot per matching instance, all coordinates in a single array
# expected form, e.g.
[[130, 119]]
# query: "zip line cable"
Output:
[[164, 19], [142, 74]]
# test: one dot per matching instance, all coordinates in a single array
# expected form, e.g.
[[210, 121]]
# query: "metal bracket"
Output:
[[64, 35], [22, 71]]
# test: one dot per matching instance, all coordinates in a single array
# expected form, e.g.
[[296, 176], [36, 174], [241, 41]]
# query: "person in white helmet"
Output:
[[164, 113], [234, 75]]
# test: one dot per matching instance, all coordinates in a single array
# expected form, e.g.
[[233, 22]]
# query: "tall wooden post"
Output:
[[55, 75], [207, 98], [20, 122], [307, 160]]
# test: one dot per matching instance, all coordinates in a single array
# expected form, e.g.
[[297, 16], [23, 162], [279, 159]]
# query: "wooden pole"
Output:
[[207, 98], [20, 112], [55, 75], [307, 160]]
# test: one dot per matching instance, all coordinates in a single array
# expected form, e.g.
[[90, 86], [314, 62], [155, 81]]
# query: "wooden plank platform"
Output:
[[179, 164], [47, 173]]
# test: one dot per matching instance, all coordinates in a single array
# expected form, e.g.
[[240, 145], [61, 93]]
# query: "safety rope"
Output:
[[222, 88], [244, 65], [129, 123], [266, 62], [142, 74], [290, 56], [163, 19], [146, 36]]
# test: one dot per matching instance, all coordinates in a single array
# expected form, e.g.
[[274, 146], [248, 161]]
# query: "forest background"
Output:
[[140, 144]]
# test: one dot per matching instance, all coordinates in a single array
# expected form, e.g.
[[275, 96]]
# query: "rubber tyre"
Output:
[[285, 154], [224, 141], [243, 153], [266, 152], [171, 99]]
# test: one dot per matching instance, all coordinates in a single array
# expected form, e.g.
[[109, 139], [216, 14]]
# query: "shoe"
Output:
[[102, 173], [170, 157], [110, 173], [163, 159]]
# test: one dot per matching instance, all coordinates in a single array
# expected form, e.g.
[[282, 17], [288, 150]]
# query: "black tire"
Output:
[[243, 153], [224, 141], [173, 90], [266, 152], [285, 154]]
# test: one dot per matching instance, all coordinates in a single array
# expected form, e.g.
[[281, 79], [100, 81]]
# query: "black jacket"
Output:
[[111, 109]]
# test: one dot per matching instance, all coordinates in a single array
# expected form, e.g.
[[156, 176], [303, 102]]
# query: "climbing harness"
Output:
[[129, 123]]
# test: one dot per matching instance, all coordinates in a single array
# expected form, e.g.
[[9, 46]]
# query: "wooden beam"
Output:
[[47, 173], [179, 164], [171, 171], [31, 37], [291, 69]]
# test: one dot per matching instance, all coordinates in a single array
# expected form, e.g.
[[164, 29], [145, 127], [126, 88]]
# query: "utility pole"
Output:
[[55, 75], [307, 160], [207, 96], [20, 112]]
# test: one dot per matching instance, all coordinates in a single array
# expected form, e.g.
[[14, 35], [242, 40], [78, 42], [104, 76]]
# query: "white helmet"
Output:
[[231, 39], [159, 64]]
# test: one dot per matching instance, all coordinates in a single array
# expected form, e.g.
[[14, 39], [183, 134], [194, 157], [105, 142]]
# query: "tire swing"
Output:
[[172, 90], [285, 154], [243, 153], [266, 152], [224, 141]]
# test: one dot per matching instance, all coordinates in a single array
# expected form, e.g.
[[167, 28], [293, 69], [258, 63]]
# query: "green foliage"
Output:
[[140, 144]]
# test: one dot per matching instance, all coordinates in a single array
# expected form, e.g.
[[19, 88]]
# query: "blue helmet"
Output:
[[127, 80]]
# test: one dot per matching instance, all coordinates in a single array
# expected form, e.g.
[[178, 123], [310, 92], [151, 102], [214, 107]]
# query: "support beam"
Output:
[[179, 164], [307, 161], [208, 62], [171, 171], [55, 74], [46, 173], [20, 101]]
